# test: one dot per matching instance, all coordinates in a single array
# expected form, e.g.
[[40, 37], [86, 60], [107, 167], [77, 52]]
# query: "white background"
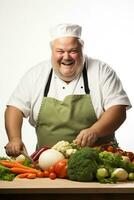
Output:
[[108, 32]]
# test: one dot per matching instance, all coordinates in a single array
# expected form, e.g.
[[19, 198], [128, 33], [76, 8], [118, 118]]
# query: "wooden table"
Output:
[[47, 189]]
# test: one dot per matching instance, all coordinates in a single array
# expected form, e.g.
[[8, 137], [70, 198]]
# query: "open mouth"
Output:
[[67, 63]]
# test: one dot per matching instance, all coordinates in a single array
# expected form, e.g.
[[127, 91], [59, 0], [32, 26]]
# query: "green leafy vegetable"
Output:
[[109, 159], [5, 174], [27, 162]]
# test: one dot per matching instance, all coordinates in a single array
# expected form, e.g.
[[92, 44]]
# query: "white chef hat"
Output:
[[65, 30]]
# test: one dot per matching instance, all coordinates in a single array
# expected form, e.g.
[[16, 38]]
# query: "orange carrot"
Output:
[[24, 175], [8, 163], [40, 174], [20, 170], [11, 164], [31, 176], [27, 175]]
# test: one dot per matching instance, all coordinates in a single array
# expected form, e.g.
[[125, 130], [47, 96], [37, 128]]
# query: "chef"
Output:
[[69, 97]]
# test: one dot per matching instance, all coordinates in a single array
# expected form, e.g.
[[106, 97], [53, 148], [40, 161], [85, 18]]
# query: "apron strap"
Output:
[[48, 84], [85, 78]]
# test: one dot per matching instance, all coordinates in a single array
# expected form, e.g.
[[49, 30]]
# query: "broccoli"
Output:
[[83, 164]]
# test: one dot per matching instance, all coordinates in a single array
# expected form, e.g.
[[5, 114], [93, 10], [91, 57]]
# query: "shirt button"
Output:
[[81, 87], [63, 87]]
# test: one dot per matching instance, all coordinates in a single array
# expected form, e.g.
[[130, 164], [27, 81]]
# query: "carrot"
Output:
[[11, 164], [24, 175], [8, 163], [27, 175], [19, 170], [40, 174], [29, 168], [31, 176]]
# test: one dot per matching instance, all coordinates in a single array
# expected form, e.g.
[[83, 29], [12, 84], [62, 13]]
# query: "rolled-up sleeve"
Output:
[[113, 92]]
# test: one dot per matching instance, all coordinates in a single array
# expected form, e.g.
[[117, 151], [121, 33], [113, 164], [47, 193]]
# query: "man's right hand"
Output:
[[14, 147], [13, 125]]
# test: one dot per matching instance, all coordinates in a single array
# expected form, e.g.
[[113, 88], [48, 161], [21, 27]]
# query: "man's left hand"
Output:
[[87, 137]]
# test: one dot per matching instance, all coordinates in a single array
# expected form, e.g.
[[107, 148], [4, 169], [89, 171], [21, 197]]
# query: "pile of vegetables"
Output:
[[12, 168], [51, 163], [88, 164], [113, 167], [104, 164]]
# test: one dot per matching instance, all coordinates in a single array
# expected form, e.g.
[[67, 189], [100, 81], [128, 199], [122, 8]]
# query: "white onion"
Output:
[[49, 158], [121, 174]]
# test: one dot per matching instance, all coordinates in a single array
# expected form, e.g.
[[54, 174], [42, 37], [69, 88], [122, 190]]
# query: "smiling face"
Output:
[[67, 57]]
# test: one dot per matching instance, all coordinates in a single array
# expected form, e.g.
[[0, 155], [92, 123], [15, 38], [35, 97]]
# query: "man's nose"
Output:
[[66, 55]]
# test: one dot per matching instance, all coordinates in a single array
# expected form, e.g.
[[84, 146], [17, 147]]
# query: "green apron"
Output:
[[63, 120]]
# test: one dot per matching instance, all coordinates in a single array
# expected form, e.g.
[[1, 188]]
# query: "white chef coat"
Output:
[[106, 89]]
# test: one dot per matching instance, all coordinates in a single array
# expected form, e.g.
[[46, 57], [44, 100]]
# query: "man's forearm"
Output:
[[110, 121], [13, 122]]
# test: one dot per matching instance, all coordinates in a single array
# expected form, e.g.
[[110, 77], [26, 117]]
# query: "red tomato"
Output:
[[119, 151], [61, 168], [130, 155], [51, 169], [52, 175], [110, 149]]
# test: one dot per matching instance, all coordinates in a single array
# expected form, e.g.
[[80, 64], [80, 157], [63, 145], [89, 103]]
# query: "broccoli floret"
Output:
[[82, 165]]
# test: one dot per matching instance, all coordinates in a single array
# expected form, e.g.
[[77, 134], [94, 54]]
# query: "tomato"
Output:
[[52, 175], [46, 173], [130, 155], [110, 149], [40, 174], [61, 168], [51, 169], [119, 151]]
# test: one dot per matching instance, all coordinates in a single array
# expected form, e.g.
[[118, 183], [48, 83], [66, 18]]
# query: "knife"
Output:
[[25, 153]]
